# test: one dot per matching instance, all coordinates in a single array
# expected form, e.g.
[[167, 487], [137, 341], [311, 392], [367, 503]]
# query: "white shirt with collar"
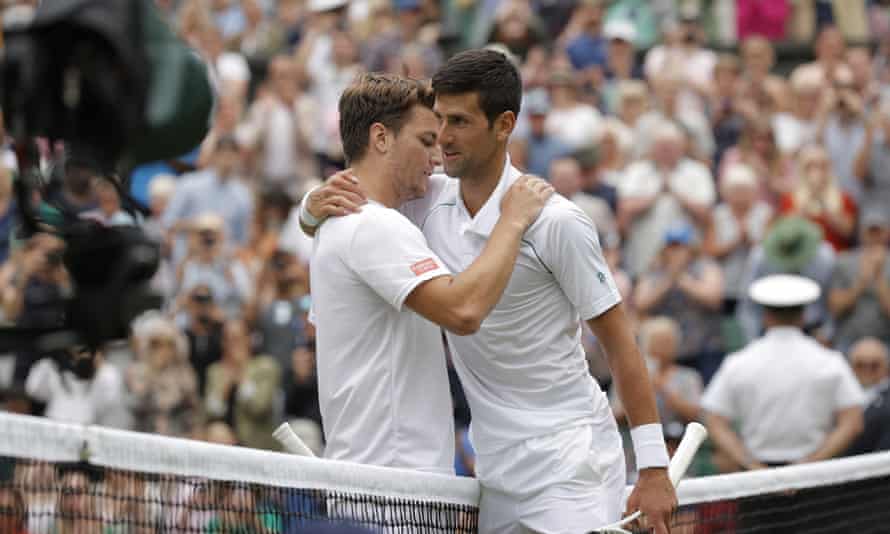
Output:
[[382, 379], [784, 390], [524, 373]]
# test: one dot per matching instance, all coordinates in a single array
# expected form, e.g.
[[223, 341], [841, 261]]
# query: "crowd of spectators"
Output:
[[704, 161]]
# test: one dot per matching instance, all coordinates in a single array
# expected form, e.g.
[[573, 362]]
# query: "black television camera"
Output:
[[111, 80]]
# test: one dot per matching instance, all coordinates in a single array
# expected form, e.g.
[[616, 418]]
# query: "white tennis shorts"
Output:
[[570, 482]]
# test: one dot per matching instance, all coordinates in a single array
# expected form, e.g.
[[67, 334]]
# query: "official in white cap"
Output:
[[793, 400]]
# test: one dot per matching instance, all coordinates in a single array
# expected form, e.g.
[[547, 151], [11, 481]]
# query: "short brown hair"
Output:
[[376, 97]]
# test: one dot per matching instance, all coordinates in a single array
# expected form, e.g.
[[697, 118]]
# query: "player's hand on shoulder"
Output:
[[655, 497], [341, 194], [525, 199]]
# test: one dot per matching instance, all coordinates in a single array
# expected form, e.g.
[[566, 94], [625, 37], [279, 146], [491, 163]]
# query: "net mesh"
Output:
[[61, 479]]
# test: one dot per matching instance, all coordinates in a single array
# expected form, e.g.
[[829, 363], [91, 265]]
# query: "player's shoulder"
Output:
[[561, 213], [373, 220]]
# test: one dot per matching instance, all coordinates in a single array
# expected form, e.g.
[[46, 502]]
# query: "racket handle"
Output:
[[692, 439], [291, 442]]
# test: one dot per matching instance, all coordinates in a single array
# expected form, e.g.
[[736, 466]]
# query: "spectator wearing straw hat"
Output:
[[870, 360], [794, 400], [859, 298], [793, 245]]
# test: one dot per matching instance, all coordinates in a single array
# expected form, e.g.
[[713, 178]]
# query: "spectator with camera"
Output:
[[202, 322], [280, 307], [210, 262]]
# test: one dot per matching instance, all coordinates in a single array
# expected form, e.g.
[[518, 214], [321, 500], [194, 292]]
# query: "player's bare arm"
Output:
[[460, 303], [653, 494]]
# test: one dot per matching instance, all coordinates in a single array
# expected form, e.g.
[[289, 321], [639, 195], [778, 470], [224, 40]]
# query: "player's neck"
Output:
[[377, 185], [476, 188]]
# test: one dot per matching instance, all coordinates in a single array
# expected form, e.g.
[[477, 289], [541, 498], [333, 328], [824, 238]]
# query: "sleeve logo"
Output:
[[424, 266]]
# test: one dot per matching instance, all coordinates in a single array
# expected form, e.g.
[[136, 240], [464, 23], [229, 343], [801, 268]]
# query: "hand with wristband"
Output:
[[341, 194]]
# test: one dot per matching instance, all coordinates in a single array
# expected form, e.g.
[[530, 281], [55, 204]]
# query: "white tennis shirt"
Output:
[[783, 390], [524, 373], [382, 381]]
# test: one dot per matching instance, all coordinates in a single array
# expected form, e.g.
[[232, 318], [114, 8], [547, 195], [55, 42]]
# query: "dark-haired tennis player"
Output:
[[549, 456], [379, 292]]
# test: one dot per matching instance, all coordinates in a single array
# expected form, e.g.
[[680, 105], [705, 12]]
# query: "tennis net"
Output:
[[59, 478]]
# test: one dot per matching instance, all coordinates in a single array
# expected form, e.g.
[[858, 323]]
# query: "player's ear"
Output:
[[504, 124], [379, 138]]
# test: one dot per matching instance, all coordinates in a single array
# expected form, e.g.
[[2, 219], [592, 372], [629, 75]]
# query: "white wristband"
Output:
[[649, 447], [307, 218]]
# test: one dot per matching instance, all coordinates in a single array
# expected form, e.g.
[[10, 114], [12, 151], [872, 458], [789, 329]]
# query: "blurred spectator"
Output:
[[829, 48], [162, 385], [34, 297], [241, 513], [228, 67], [863, 82], [668, 107], [793, 245], [216, 189], [800, 125], [406, 32], [687, 286], [78, 508], [593, 169], [585, 44], [683, 56], [203, 326], [738, 224], [870, 360], [108, 211], [243, 389], [13, 517], [229, 111], [571, 121], [131, 503], [566, 179], [726, 108], [621, 59], [160, 191], [71, 186], [8, 212], [632, 103], [80, 388], [263, 36], [642, 14], [221, 433], [273, 208], [301, 386], [542, 146], [843, 130], [859, 299], [764, 89], [279, 309], [515, 26], [819, 198], [210, 263], [656, 192], [40, 501], [271, 131], [758, 150], [872, 165]]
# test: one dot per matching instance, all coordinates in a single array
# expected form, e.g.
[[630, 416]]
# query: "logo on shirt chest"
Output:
[[424, 266]]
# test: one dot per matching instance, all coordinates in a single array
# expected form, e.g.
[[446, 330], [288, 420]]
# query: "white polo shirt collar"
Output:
[[487, 217]]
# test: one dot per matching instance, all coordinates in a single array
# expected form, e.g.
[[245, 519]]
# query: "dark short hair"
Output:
[[486, 72], [377, 98]]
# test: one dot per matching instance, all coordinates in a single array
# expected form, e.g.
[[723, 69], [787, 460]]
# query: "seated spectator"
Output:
[[34, 296], [243, 389], [758, 150], [819, 198], [859, 299], [542, 147], [202, 322], [301, 386], [793, 245], [687, 286], [870, 360], [162, 385], [737, 226], [279, 308], [678, 389], [211, 263], [872, 166], [80, 388], [216, 189], [566, 179], [571, 121], [664, 189]]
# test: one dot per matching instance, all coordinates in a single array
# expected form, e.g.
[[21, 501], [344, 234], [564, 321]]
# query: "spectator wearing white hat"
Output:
[[794, 400]]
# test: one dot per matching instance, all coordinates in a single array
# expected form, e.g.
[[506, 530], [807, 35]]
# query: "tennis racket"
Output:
[[290, 441], [693, 437]]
